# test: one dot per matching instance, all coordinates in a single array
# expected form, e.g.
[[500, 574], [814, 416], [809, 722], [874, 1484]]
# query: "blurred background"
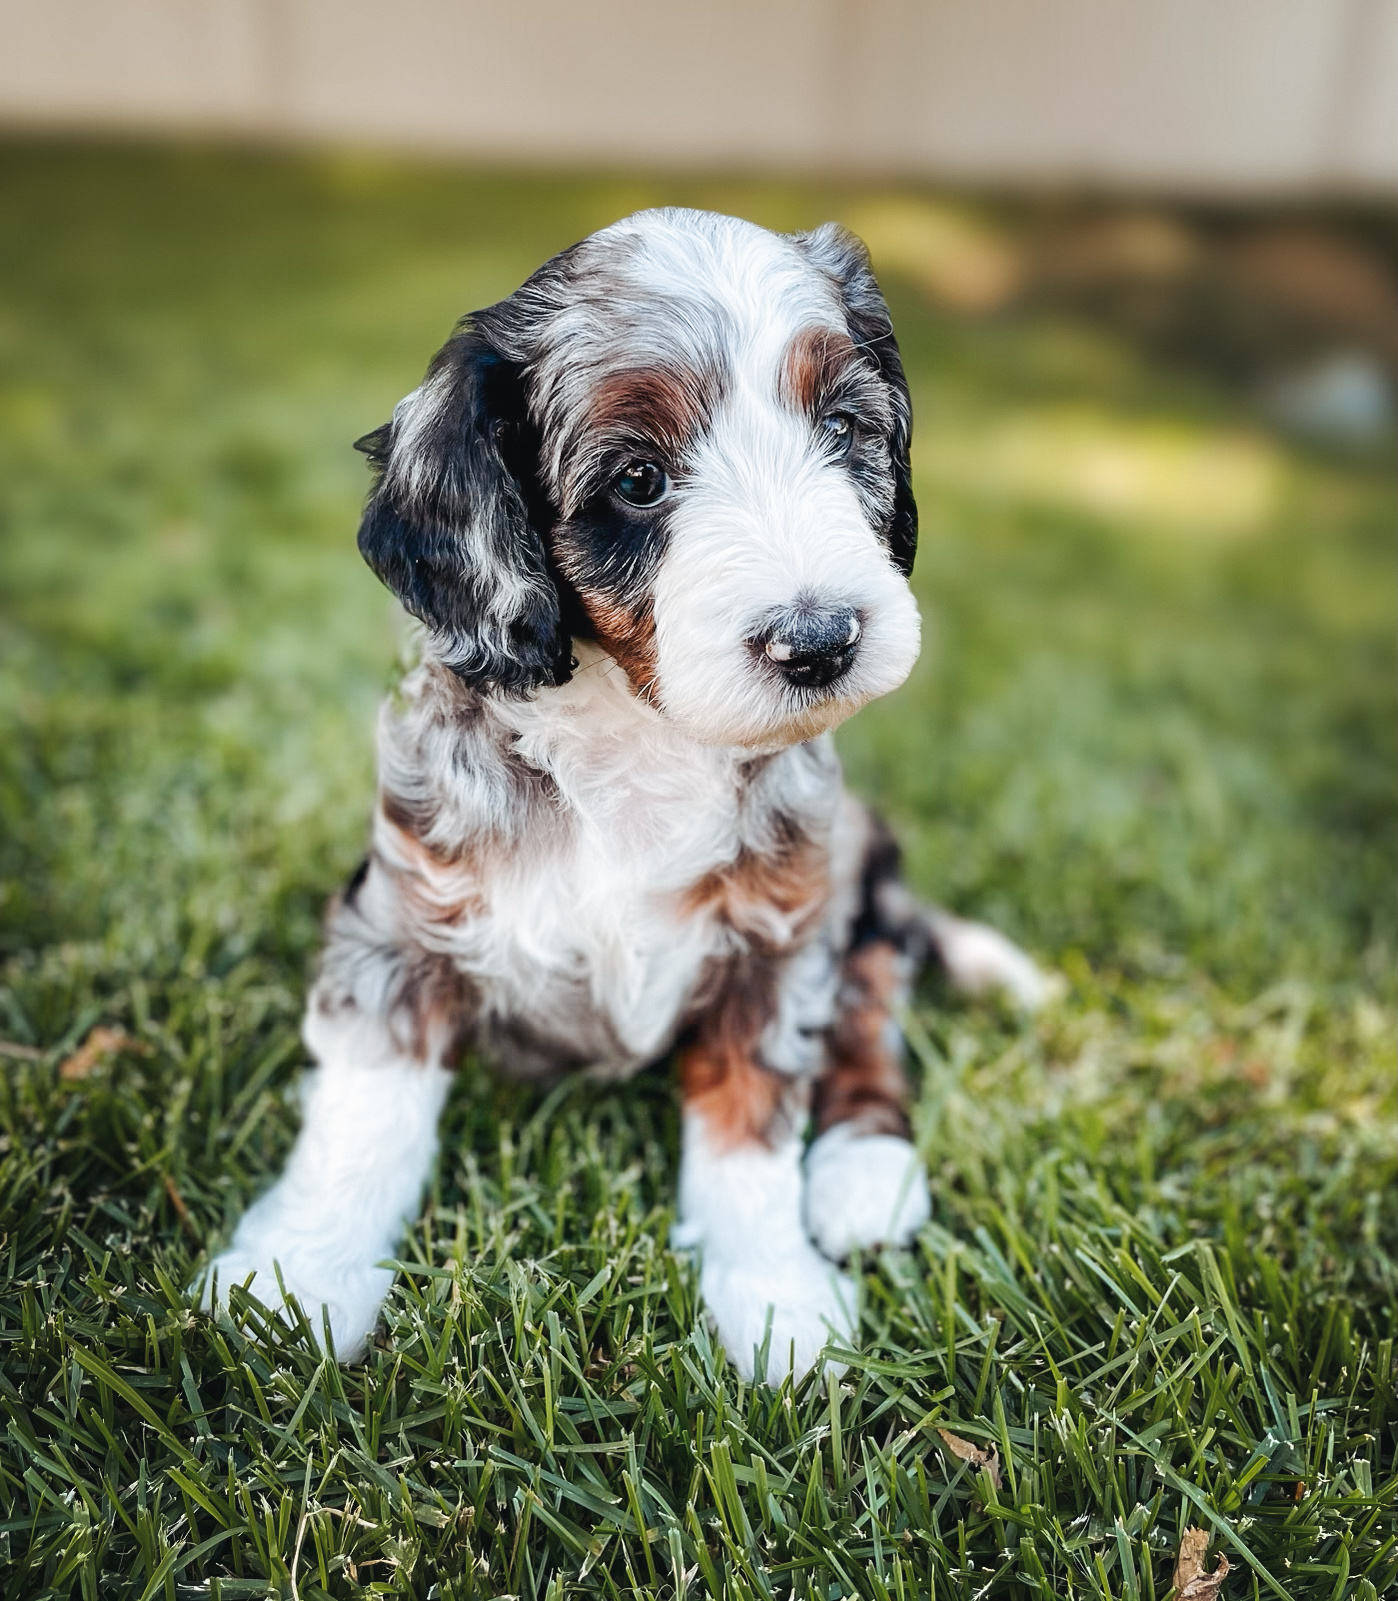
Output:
[[1141, 259], [1244, 97]]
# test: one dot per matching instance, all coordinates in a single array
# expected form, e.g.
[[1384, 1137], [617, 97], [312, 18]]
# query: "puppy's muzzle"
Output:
[[811, 645]]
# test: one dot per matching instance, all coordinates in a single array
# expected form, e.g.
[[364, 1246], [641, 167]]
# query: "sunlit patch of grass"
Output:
[[1157, 476], [1160, 1278], [946, 249]]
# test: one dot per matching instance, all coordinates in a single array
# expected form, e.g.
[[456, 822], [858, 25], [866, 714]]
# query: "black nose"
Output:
[[811, 645]]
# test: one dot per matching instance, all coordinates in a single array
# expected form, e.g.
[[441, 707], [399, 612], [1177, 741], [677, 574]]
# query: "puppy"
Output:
[[654, 514]]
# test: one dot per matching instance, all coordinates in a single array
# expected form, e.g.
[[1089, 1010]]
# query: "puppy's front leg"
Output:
[[354, 1180], [740, 1204]]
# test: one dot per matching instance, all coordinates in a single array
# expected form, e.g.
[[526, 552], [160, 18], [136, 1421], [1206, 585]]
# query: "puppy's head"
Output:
[[686, 438]]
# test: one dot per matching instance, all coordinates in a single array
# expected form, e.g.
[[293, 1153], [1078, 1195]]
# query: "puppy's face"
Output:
[[686, 438]]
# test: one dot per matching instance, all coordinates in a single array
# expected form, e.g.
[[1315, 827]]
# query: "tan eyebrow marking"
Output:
[[664, 404], [815, 361]]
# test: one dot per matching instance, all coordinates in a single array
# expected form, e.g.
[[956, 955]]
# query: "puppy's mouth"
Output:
[[810, 645]]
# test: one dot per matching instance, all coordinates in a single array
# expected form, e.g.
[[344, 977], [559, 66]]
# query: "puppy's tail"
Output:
[[975, 957]]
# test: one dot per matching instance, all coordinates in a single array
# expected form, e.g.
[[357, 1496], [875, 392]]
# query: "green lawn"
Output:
[[1152, 736]]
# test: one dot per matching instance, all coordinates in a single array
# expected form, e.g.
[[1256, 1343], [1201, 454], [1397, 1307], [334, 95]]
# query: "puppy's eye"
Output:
[[641, 483], [836, 429]]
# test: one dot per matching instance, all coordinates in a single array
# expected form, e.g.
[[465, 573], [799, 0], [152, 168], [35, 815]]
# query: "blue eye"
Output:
[[836, 428], [641, 483]]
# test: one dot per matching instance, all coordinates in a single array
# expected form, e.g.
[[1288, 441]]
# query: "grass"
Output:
[[1152, 736]]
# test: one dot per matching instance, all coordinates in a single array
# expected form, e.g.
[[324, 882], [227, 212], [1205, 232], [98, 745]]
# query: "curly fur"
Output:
[[610, 822]]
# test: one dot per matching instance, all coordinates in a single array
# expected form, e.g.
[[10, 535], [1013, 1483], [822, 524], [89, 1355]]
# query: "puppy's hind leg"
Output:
[[865, 1184]]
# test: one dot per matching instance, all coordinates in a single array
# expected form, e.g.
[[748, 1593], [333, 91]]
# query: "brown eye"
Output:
[[641, 483], [836, 428]]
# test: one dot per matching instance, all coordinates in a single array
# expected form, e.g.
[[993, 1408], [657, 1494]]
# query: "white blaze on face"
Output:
[[766, 521], [765, 518]]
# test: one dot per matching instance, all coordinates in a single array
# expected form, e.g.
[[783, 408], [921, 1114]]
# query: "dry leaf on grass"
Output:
[[181, 1210], [99, 1043], [977, 1455], [21, 1053], [1191, 1582]]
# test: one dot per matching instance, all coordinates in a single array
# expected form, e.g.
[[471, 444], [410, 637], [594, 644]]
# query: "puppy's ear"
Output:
[[453, 524], [843, 259]]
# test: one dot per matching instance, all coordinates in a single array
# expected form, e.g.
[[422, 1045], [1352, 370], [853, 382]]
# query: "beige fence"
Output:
[[1193, 95]]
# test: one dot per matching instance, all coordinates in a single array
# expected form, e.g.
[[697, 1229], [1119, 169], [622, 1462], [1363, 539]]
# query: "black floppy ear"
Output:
[[843, 259], [452, 523]]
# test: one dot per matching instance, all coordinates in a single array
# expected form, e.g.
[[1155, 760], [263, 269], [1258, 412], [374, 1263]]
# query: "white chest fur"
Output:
[[585, 926]]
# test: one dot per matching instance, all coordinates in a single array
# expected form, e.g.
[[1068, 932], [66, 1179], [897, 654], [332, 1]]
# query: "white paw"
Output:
[[806, 1299], [978, 958], [349, 1294], [863, 1190]]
